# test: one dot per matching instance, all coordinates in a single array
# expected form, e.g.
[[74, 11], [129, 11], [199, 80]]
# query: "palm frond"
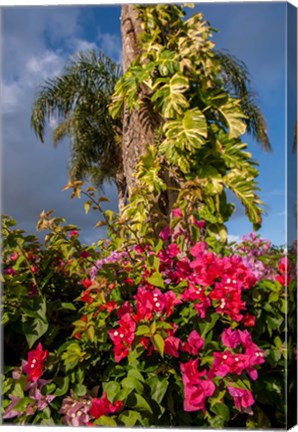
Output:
[[237, 81]]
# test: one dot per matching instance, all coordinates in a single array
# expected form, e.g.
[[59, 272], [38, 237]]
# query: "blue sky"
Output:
[[38, 40]]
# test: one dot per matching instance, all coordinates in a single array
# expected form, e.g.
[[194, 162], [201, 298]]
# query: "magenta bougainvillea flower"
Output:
[[194, 343], [34, 366], [123, 336], [196, 389], [284, 277], [103, 406], [243, 399]]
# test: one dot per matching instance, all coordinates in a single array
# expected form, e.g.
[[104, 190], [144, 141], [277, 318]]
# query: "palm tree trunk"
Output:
[[138, 126], [136, 136]]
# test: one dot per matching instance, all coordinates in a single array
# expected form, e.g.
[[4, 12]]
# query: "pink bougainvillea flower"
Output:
[[86, 283], [230, 338], [248, 320], [110, 306], [173, 250], [284, 268], [36, 359], [172, 346], [85, 254], [123, 336], [75, 411], [86, 297], [198, 249], [177, 213], [148, 303], [124, 309], [103, 406], [10, 412], [165, 233], [199, 224], [243, 399], [170, 301], [194, 343], [196, 389], [14, 256], [73, 233]]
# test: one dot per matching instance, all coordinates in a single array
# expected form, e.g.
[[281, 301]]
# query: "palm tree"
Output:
[[79, 99], [106, 149]]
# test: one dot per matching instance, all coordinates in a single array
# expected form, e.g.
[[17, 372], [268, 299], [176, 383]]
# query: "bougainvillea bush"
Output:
[[158, 331]]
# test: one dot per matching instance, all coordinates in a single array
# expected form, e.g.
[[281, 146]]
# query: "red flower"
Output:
[[103, 406], [123, 336], [196, 390], [14, 256], [85, 254], [194, 343], [124, 309], [34, 367], [283, 266], [73, 233], [243, 398], [177, 213], [248, 320], [165, 233], [86, 283], [86, 297], [171, 301], [172, 346]]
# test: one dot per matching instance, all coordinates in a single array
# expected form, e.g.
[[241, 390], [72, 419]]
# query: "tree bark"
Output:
[[139, 125], [137, 131]]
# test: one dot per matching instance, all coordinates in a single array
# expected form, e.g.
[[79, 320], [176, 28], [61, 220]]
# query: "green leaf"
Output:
[[129, 418], [273, 297], [159, 343], [34, 329], [135, 373], [111, 388], [258, 420], [233, 117], [87, 206], [105, 421], [274, 321], [158, 387], [132, 383], [168, 97], [221, 410], [90, 332], [156, 279], [138, 402], [80, 389], [142, 330], [72, 356], [208, 324], [62, 385], [188, 133], [68, 306], [23, 403]]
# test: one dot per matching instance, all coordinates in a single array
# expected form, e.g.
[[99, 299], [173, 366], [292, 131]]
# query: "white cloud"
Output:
[[36, 45], [234, 238], [111, 45]]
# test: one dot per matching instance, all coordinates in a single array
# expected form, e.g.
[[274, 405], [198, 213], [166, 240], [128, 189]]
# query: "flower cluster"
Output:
[[196, 389], [38, 400], [102, 407], [123, 336], [34, 366], [227, 362]]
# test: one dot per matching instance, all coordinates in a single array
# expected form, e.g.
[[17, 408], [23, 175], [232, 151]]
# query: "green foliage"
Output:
[[146, 383], [79, 100], [198, 153]]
